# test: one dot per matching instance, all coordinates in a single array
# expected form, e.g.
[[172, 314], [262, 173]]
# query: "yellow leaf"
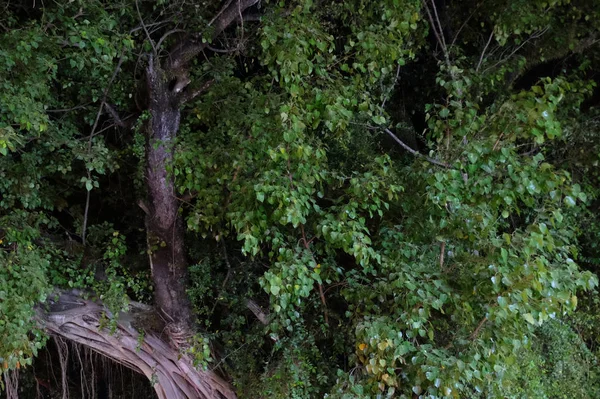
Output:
[[362, 347]]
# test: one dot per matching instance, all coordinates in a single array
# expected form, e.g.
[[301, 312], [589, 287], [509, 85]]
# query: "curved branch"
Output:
[[69, 315], [415, 152]]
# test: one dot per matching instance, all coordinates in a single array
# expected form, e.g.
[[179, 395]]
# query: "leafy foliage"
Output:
[[448, 266]]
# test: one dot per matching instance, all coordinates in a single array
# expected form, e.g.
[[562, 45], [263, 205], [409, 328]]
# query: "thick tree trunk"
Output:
[[164, 224], [78, 320], [71, 317], [168, 90]]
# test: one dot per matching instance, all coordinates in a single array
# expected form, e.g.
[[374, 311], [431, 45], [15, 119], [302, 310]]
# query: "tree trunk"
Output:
[[76, 319], [71, 317], [168, 90], [164, 224]]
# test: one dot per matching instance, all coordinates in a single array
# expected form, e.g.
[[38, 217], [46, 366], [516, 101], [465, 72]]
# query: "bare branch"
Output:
[[414, 152], [68, 109], [464, 24], [89, 148], [391, 87], [441, 31], [533, 36], [191, 93], [224, 51], [194, 45], [438, 35], [260, 314], [144, 26], [114, 114], [69, 316], [167, 34], [483, 52], [477, 330], [155, 24]]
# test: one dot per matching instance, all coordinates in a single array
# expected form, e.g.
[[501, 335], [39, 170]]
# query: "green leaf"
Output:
[[529, 318], [275, 289]]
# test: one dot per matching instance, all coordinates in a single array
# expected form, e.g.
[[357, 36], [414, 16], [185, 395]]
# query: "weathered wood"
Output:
[[70, 316]]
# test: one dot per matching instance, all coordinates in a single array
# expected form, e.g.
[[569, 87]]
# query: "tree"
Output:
[[256, 171]]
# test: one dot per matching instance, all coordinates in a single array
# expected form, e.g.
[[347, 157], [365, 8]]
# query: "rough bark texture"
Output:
[[163, 223], [72, 317], [168, 90]]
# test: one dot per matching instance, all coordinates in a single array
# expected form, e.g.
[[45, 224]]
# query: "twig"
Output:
[[321, 294], [463, 25], [86, 211], [89, 149], [477, 330], [167, 21], [144, 26], [441, 31], [414, 152], [497, 142], [167, 34], [533, 36], [191, 93], [438, 36], [68, 109], [112, 125], [226, 276], [114, 114], [483, 52]]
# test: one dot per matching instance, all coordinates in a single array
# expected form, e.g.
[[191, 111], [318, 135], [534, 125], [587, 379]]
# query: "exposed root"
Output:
[[72, 318], [11, 384], [63, 356]]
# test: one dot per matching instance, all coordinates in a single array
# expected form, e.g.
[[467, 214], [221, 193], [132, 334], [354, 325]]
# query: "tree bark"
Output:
[[77, 319], [168, 89], [164, 225], [70, 316]]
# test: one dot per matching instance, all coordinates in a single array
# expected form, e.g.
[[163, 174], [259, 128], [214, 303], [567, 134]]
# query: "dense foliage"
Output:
[[408, 188]]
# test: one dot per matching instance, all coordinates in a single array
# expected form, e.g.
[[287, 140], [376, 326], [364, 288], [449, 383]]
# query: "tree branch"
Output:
[[114, 114], [438, 35], [71, 316], [483, 52], [89, 147], [415, 152], [193, 45], [260, 314], [192, 92], [533, 36], [224, 51], [167, 34], [144, 26]]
